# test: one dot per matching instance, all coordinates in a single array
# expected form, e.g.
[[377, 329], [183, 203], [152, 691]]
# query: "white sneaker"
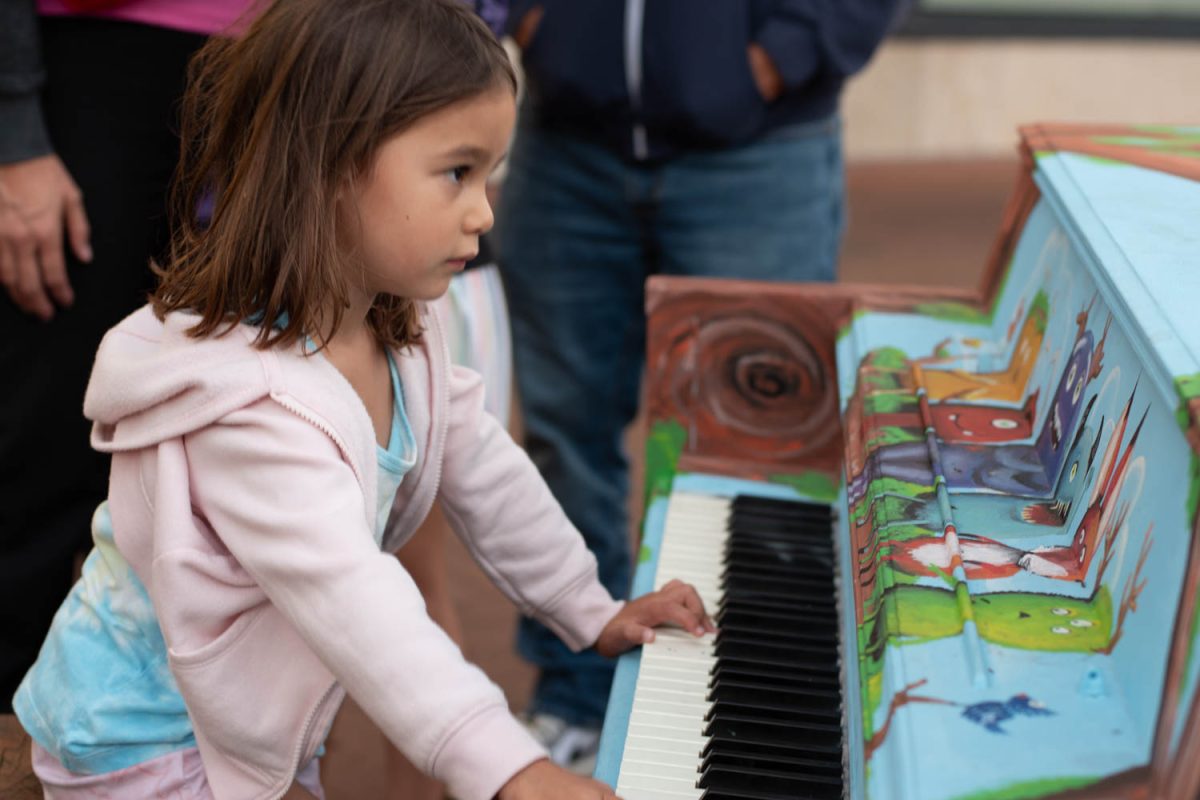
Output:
[[571, 746]]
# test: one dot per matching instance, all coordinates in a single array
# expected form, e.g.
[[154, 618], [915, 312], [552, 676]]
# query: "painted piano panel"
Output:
[[1016, 476]]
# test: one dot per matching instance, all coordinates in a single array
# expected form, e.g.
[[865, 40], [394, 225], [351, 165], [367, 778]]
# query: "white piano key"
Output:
[[666, 722]]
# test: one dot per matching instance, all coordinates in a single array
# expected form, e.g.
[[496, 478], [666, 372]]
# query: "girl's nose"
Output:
[[481, 218]]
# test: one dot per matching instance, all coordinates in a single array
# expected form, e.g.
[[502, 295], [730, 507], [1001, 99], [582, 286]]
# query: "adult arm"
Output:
[[22, 130], [37, 195]]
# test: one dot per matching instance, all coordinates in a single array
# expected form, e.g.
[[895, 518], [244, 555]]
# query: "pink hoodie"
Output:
[[243, 496]]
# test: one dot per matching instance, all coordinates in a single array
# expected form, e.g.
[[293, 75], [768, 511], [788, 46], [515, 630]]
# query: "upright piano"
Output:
[[949, 536]]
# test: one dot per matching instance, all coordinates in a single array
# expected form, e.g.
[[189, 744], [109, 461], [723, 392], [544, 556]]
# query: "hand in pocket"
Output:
[[527, 27], [766, 74]]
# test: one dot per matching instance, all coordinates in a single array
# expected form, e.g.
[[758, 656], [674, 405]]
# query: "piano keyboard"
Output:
[[754, 711]]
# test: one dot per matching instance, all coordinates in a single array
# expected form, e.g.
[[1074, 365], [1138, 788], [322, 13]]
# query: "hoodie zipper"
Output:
[[302, 745], [443, 404], [442, 432], [635, 20]]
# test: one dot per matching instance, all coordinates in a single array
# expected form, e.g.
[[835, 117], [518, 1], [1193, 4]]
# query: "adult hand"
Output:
[[766, 75], [676, 603], [544, 780], [528, 26], [37, 198]]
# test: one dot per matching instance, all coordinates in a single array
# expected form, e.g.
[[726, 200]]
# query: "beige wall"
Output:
[[936, 99]]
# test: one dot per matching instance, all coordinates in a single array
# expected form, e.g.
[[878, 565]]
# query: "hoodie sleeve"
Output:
[[275, 490], [503, 511], [809, 37], [22, 130]]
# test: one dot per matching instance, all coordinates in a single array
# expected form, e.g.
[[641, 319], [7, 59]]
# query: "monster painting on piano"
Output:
[[986, 502]]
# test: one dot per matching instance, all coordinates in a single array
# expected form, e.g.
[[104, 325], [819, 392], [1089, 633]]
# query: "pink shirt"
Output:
[[195, 16]]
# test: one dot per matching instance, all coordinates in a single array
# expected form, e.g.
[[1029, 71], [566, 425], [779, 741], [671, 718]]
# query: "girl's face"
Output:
[[423, 206]]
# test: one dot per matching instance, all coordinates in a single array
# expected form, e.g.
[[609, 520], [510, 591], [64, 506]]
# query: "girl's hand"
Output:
[[544, 780], [676, 603]]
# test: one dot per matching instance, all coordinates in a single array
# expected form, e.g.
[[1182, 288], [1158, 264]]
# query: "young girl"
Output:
[[285, 386]]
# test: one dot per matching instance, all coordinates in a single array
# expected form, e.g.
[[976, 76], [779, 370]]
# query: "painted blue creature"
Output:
[[990, 713]]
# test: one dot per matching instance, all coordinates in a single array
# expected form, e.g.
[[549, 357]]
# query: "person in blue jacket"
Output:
[[684, 137]]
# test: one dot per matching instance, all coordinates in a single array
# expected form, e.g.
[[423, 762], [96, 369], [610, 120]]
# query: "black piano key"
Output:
[[796, 590], [785, 548], [800, 534], [751, 692], [780, 586], [769, 618], [732, 752], [821, 777], [735, 793], [749, 599], [749, 648], [775, 711], [730, 670], [763, 784], [783, 670], [734, 642], [807, 572], [808, 737], [783, 509], [721, 745], [817, 633], [775, 587]]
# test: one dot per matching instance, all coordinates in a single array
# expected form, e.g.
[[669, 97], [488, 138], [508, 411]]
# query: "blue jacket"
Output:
[[652, 78]]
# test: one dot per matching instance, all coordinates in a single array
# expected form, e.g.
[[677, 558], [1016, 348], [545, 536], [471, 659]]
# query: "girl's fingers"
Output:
[[691, 599], [677, 613], [686, 595], [637, 633]]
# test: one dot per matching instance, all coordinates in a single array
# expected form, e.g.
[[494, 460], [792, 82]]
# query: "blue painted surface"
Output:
[[1115, 241]]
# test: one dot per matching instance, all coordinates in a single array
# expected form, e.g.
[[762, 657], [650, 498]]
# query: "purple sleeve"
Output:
[[493, 12]]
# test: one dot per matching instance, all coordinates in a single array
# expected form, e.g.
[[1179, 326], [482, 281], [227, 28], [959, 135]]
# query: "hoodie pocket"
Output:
[[220, 602], [252, 695]]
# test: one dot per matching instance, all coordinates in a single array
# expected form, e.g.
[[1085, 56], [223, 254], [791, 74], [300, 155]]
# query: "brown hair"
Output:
[[274, 122]]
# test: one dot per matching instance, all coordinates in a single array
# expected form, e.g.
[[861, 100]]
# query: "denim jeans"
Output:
[[579, 231]]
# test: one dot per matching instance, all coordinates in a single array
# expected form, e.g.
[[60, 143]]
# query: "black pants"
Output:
[[110, 102]]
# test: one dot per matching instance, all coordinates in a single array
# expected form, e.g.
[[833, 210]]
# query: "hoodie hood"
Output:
[[152, 382]]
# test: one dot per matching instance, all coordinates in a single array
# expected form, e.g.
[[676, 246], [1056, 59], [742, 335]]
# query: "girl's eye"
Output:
[[459, 173]]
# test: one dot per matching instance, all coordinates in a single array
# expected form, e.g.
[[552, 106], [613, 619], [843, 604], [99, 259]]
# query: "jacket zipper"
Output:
[[635, 20], [443, 405], [302, 745]]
